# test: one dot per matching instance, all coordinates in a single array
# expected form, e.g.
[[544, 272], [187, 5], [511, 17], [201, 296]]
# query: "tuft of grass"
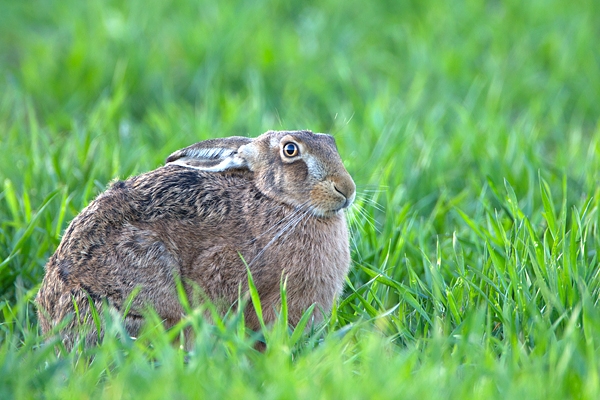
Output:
[[470, 127]]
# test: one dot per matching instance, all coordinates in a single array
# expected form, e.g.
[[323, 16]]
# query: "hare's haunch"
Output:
[[276, 200]]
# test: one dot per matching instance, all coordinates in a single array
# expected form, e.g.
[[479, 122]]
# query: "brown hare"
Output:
[[276, 201]]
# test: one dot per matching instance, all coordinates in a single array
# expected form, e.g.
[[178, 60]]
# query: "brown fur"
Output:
[[182, 221]]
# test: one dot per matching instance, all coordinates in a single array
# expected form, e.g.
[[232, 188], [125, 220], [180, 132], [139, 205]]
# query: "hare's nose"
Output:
[[346, 189]]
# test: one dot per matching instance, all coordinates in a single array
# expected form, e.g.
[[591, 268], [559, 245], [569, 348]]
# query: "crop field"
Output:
[[472, 131]]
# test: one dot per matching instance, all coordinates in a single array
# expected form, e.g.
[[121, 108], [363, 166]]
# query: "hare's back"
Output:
[[131, 235], [152, 206]]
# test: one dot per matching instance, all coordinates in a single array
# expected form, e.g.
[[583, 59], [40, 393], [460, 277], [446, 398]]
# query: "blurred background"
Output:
[[472, 130], [433, 105]]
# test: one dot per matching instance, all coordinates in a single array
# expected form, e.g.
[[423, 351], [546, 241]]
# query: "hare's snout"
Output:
[[330, 196], [347, 190]]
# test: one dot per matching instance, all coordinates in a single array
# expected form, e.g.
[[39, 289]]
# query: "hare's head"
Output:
[[299, 168]]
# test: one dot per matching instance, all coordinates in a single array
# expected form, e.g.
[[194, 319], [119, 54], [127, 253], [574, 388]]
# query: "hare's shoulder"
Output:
[[175, 192], [174, 180], [167, 195]]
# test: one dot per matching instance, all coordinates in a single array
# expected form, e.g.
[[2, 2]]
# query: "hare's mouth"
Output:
[[327, 213], [331, 210], [328, 198], [345, 199]]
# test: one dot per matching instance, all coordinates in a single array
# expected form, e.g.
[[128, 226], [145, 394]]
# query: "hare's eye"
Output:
[[290, 149]]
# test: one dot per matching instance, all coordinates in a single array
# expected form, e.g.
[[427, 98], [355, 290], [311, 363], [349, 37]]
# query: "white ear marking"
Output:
[[226, 164], [315, 168], [180, 163], [215, 152]]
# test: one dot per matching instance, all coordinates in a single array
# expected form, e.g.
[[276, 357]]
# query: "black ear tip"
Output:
[[174, 156]]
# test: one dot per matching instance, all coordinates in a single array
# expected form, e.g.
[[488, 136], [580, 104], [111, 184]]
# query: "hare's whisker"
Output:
[[292, 223], [354, 242], [370, 200], [293, 227], [367, 218], [373, 190], [354, 229], [261, 252], [369, 188], [283, 220]]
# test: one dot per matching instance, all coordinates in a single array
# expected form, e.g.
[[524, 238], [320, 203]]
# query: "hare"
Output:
[[274, 203]]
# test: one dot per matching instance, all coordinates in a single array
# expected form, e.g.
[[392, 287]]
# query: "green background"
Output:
[[470, 127]]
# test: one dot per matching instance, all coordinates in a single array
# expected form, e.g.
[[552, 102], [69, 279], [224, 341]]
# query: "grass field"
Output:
[[471, 128]]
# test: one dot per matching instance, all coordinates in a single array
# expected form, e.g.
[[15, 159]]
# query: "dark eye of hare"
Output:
[[290, 149]]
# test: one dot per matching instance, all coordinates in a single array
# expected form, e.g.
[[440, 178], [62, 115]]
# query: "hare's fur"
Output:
[[193, 222]]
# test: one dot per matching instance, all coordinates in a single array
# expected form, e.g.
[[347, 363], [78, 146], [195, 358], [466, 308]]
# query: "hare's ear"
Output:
[[213, 155]]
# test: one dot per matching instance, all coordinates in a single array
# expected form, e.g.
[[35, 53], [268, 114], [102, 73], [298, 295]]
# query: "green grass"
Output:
[[471, 128]]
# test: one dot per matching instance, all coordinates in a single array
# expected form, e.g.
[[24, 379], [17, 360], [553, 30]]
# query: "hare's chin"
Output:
[[327, 213]]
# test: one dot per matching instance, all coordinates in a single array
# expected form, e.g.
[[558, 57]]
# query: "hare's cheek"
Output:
[[314, 167], [294, 181], [296, 174]]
